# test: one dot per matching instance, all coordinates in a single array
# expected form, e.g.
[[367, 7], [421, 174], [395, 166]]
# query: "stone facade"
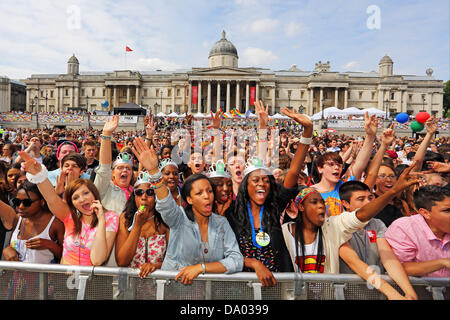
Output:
[[225, 84], [12, 95]]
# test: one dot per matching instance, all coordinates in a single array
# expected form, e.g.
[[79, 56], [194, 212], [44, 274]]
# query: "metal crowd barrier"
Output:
[[30, 281]]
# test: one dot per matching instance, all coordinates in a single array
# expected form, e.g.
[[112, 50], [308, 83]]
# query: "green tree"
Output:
[[446, 103]]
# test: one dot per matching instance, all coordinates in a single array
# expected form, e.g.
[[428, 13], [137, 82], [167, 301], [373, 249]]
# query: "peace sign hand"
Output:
[[263, 114]]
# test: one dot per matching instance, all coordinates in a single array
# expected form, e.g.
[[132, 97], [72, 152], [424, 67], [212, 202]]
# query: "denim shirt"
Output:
[[185, 244]]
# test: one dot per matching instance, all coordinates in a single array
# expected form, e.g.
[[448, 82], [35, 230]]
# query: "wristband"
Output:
[[156, 177], [203, 268], [304, 140], [105, 137], [40, 177]]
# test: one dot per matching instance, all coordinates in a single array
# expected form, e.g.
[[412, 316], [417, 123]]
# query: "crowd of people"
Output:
[[285, 199]]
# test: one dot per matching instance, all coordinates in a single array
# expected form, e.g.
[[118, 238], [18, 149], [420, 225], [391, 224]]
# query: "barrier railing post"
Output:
[[438, 292], [160, 283], [257, 295], [208, 290], [43, 286], [339, 291], [82, 282]]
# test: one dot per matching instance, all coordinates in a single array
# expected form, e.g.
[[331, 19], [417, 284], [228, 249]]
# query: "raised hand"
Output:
[[216, 120], [302, 119], [371, 124], [263, 114], [145, 155], [388, 136], [431, 125], [406, 179], [30, 164], [111, 125], [150, 126]]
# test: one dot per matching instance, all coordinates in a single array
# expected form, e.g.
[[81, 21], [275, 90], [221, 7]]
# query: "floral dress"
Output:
[[149, 250]]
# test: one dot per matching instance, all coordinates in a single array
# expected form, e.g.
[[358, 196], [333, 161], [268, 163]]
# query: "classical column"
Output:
[[257, 92], [399, 102], [273, 100], [218, 95], [311, 100], [199, 97], [404, 101], [238, 98], [27, 102], [138, 95], [228, 96], [173, 98], [57, 99], [190, 98], [336, 97], [77, 97], [71, 97], [208, 99], [247, 97], [380, 99], [115, 98], [128, 94], [345, 98], [321, 99], [430, 102]]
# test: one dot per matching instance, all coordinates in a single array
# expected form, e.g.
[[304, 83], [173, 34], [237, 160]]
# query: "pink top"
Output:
[[412, 240], [77, 248]]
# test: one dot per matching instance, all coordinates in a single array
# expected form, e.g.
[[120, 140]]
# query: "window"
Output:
[[104, 93], [410, 97], [51, 93], [302, 94], [373, 95], [392, 95], [82, 92], [93, 93], [169, 92], [178, 92], [277, 93], [360, 95], [267, 93], [157, 92], [67, 92], [145, 92]]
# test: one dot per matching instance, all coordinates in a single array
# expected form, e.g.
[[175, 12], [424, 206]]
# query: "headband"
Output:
[[165, 162], [255, 163], [66, 143], [303, 194], [142, 178], [123, 158], [218, 170]]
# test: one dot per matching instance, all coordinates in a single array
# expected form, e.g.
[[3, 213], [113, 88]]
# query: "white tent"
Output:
[[278, 116], [161, 114], [328, 112], [199, 115], [352, 111], [375, 111], [173, 114]]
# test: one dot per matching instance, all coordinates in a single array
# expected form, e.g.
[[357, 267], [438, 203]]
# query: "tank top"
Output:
[[151, 249], [32, 255]]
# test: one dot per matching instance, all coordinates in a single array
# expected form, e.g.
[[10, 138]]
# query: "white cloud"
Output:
[[350, 65], [257, 56], [264, 25], [293, 28], [151, 64]]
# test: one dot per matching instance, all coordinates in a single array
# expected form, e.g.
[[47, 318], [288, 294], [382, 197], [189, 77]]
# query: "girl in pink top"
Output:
[[90, 230]]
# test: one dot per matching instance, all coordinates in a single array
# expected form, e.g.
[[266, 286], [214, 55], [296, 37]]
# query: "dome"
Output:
[[386, 59], [223, 47], [73, 59]]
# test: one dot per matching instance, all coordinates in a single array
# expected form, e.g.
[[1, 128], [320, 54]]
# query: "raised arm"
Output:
[[105, 156], [217, 153], [56, 205], [263, 121], [386, 140], [362, 159], [371, 209], [7, 215], [431, 126], [300, 154]]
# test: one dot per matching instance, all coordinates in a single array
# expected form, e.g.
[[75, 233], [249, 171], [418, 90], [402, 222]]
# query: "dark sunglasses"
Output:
[[140, 192], [26, 202]]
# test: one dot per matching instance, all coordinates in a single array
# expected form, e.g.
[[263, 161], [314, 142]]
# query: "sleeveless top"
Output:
[[32, 255], [151, 249]]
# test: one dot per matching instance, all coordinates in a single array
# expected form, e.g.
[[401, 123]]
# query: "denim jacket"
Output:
[[185, 249]]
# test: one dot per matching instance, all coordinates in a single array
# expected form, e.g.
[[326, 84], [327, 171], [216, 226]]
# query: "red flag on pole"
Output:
[[127, 48]]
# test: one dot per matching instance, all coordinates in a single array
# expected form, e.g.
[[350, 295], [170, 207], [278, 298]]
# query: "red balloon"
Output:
[[422, 116]]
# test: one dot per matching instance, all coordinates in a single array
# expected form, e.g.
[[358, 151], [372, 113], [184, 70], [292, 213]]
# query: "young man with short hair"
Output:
[[422, 241]]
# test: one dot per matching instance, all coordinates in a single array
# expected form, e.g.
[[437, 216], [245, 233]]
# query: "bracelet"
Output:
[[105, 137], [157, 184], [156, 177], [203, 268], [147, 139], [304, 140], [40, 177]]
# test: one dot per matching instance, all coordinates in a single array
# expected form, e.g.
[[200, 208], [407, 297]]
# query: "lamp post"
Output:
[[289, 98], [323, 113], [301, 109], [37, 115], [46, 98], [423, 102], [161, 94], [156, 107], [386, 105]]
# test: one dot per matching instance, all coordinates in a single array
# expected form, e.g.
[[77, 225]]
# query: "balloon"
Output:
[[416, 126], [422, 117], [105, 104], [402, 117]]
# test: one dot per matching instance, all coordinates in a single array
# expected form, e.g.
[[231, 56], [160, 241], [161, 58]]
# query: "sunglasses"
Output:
[[26, 202], [140, 192]]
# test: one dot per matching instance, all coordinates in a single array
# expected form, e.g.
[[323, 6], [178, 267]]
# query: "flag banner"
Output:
[[252, 95], [194, 94], [239, 114], [249, 112], [128, 49]]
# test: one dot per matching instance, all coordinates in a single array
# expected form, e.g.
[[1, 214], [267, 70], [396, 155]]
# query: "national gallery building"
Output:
[[226, 85]]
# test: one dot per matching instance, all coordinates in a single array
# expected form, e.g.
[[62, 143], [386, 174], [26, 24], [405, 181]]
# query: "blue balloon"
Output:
[[402, 117], [105, 104]]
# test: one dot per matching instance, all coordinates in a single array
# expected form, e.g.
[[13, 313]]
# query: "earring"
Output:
[[78, 213]]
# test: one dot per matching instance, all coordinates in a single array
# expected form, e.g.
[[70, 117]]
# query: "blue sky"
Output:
[[39, 36]]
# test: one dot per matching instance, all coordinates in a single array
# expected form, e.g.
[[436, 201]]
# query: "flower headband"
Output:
[[123, 158], [303, 194]]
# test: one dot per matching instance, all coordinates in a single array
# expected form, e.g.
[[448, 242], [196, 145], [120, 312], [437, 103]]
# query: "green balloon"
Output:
[[416, 126]]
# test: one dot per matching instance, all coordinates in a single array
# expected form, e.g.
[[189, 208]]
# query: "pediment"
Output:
[[224, 71]]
